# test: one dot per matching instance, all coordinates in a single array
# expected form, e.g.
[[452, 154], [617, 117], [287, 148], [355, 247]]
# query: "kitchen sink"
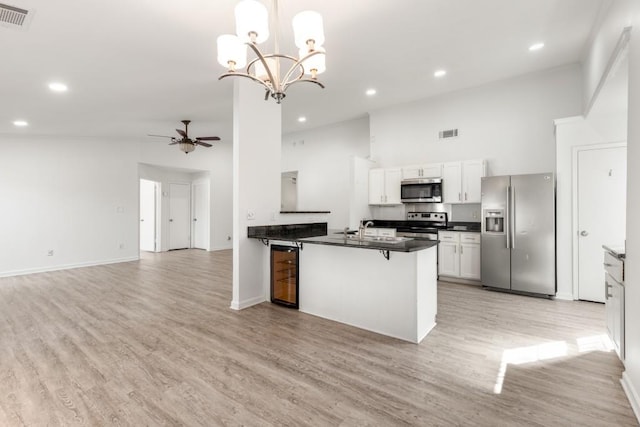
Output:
[[375, 239]]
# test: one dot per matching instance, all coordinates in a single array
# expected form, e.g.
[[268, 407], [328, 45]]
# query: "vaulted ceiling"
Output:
[[139, 67]]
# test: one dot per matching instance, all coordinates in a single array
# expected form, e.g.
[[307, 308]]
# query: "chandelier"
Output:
[[275, 71]]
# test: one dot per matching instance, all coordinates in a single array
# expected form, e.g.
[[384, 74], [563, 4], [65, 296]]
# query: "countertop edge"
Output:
[[615, 251], [305, 212], [345, 243]]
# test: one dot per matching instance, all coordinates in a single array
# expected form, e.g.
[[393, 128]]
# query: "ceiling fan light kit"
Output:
[[270, 70], [186, 144]]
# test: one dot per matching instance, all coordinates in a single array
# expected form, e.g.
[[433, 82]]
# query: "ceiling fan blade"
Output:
[[160, 136], [204, 144], [173, 143], [181, 133], [208, 138]]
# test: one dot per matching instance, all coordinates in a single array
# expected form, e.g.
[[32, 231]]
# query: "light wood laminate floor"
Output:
[[154, 343]]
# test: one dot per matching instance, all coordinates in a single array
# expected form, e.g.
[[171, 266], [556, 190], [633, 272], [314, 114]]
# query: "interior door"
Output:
[[200, 224], [179, 214], [602, 187], [147, 215]]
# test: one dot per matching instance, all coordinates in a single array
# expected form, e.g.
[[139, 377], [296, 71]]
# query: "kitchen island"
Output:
[[381, 286]]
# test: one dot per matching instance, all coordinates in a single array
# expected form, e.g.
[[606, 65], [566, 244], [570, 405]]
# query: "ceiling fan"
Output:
[[185, 143]]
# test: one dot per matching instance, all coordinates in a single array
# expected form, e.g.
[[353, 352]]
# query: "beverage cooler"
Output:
[[284, 275]]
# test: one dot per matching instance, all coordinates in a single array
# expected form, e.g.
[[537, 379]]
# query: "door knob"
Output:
[[195, 219], [142, 220], [584, 233], [170, 220]]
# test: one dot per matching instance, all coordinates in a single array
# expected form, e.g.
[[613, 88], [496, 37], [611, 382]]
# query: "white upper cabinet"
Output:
[[384, 186], [461, 181], [432, 170], [452, 182], [472, 174]]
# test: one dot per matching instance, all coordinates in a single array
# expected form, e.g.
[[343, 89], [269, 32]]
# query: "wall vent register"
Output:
[[449, 133], [14, 17]]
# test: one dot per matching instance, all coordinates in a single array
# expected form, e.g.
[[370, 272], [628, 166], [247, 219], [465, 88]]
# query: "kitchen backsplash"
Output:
[[460, 213]]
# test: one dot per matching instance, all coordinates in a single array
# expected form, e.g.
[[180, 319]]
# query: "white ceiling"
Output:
[[138, 67]]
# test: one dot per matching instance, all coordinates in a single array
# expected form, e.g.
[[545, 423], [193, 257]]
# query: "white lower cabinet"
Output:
[[614, 302], [470, 261], [459, 255], [448, 259]]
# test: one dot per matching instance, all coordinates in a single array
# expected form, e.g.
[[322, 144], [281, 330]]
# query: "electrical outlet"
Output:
[[121, 245], [50, 252], [251, 214], [228, 237]]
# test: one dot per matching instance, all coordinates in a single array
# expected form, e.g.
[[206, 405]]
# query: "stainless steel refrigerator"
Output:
[[518, 233]]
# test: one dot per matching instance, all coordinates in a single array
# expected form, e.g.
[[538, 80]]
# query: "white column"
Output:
[[257, 139]]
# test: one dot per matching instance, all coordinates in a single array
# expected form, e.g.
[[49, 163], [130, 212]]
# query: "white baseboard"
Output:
[[221, 248], [564, 296], [66, 266], [241, 305], [632, 394]]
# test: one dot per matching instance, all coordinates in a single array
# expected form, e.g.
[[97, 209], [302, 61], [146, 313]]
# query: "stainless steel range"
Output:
[[423, 225]]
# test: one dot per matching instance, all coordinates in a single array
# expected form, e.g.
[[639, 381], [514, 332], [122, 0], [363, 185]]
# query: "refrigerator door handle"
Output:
[[508, 218], [512, 220]]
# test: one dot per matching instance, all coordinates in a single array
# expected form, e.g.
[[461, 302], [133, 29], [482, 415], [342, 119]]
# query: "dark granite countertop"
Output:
[[470, 227], [305, 212], [291, 232], [337, 239], [317, 234]]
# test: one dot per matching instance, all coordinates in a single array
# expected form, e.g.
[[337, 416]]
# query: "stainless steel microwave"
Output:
[[421, 190]]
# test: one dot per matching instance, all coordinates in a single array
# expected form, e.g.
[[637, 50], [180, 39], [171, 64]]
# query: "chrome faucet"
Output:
[[363, 228]]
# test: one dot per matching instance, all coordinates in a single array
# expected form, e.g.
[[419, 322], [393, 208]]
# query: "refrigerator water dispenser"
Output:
[[494, 221]]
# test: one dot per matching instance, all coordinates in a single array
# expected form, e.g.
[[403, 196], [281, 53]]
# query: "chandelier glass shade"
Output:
[[275, 71]]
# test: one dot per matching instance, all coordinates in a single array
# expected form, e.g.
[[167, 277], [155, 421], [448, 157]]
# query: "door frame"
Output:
[[574, 207], [207, 183], [189, 215], [157, 185]]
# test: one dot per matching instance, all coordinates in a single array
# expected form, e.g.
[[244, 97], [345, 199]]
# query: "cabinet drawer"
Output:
[[614, 266], [469, 237], [449, 236]]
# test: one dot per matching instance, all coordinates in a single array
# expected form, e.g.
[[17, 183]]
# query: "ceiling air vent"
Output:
[[449, 133], [14, 17]]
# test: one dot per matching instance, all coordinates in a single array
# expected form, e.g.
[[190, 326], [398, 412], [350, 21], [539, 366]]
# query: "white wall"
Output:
[[216, 160], [571, 133], [625, 13], [508, 123], [165, 177], [257, 136], [323, 158], [632, 264], [77, 197]]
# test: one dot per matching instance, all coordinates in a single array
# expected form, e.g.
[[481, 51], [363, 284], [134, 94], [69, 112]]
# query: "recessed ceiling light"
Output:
[[371, 92], [536, 46], [302, 119], [440, 73], [58, 87], [20, 123]]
